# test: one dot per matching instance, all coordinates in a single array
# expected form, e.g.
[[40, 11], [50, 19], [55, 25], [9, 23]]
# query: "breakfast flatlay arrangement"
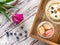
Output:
[[46, 26], [13, 20]]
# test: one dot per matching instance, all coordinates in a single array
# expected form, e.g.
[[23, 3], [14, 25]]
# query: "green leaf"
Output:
[[9, 0], [5, 1], [1, 9], [4, 13], [2, 0], [1, 3], [8, 6]]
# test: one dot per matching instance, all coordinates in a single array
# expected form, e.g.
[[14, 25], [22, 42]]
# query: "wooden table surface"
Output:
[[29, 9]]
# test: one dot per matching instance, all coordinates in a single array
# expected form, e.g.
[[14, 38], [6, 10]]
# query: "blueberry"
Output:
[[52, 8], [17, 37], [55, 15], [25, 31], [20, 34], [15, 34], [11, 33], [21, 27], [25, 35], [51, 11], [7, 34]]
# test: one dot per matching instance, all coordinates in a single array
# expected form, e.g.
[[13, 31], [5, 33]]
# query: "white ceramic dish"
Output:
[[51, 16]]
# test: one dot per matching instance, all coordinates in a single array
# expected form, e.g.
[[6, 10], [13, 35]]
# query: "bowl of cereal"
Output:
[[53, 11]]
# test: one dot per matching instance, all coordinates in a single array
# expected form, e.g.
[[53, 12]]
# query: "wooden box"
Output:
[[40, 16]]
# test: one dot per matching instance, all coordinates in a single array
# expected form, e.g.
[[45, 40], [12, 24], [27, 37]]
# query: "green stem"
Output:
[[6, 10]]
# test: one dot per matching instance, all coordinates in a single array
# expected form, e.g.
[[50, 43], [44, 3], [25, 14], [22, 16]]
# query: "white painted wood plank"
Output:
[[26, 15], [11, 40], [18, 29], [28, 8]]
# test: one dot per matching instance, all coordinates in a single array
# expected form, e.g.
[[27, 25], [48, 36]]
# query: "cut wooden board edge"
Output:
[[43, 40], [38, 11]]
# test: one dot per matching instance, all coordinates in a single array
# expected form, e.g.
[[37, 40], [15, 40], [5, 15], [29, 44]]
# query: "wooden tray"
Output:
[[40, 16]]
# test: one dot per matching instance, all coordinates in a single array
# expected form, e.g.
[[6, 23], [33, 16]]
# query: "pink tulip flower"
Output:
[[17, 18]]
